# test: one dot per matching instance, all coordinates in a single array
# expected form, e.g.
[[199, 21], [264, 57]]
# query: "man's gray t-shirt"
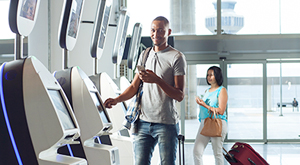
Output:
[[157, 107]]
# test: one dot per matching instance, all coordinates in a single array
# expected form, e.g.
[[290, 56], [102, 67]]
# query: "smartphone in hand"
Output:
[[140, 68]]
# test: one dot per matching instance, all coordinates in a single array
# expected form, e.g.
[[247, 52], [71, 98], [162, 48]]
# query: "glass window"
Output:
[[238, 16], [145, 11], [261, 17], [196, 85], [283, 123], [205, 11], [5, 32], [289, 16], [268, 16], [245, 101]]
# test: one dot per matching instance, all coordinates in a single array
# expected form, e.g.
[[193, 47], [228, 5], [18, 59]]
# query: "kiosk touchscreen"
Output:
[[70, 23], [61, 109], [101, 109], [23, 12], [100, 28], [133, 51], [120, 39]]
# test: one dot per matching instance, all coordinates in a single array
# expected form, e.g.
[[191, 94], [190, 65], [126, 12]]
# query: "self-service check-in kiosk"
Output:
[[36, 117], [85, 99], [118, 39], [91, 115], [129, 59], [98, 44]]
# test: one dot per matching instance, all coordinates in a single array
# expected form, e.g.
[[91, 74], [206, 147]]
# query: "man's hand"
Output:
[[148, 76], [110, 102]]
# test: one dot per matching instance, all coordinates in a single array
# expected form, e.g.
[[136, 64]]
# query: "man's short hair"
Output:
[[162, 18]]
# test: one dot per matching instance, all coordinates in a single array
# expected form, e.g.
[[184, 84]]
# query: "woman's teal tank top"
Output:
[[211, 99]]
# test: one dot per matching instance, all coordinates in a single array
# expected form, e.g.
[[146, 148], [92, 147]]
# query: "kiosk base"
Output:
[[125, 146], [109, 155], [62, 160]]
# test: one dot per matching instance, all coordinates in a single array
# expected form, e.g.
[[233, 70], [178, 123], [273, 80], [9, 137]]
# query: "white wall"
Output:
[[38, 38]]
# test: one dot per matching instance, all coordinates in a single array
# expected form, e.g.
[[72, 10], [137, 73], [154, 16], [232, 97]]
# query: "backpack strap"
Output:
[[145, 55]]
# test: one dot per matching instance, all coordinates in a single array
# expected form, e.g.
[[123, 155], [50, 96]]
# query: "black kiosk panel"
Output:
[[134, 46], [100, 28], [70, 23], [16, 145]]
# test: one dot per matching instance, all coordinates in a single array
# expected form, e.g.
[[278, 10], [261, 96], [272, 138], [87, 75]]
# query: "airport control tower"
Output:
[[231, 22]]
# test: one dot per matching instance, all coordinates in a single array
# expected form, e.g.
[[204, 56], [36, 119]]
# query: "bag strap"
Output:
[[213, 114], [144, 59], [145, 55]]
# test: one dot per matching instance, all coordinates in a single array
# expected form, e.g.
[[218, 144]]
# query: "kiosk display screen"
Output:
[[104, 26], [62, 110], [28, 9], [134, 46], [75, 16], [100, 107], [123, 39]]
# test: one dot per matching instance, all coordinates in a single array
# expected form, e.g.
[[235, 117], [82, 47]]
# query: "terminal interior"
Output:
[[93, 45]]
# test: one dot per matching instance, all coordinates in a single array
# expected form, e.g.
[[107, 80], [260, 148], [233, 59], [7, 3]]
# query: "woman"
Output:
[[214, 100]]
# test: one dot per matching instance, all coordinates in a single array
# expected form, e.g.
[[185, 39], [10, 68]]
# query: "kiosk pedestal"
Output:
[[92, 116], [32, 96]]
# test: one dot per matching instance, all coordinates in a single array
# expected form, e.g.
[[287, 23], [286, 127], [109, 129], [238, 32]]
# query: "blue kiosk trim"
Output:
[[7, 120]]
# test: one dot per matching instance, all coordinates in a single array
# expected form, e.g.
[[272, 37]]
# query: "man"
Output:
[[164, 80], [295, 102]]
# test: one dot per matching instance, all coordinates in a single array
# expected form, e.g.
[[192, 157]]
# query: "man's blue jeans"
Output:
[[148, 135]]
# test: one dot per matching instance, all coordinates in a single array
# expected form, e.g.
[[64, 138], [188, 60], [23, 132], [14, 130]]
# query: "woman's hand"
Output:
[[200, 102], [213, 110]]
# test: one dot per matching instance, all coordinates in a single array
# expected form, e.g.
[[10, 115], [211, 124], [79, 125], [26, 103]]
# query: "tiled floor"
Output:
[[274, 153]]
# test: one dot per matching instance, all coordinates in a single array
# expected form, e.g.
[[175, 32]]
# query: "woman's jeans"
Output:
[[148, 135], [216, 142]]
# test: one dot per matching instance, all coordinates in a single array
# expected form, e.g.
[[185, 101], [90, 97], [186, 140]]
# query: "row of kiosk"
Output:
[[59, 118]]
